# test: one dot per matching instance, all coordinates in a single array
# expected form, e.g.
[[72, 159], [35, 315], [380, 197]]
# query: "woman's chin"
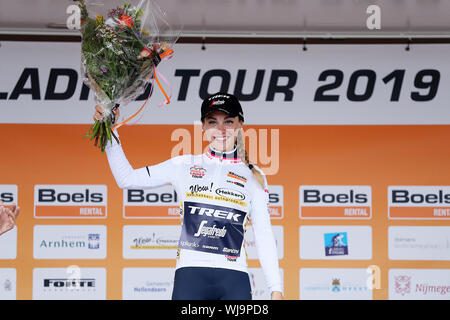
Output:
[[221, 146]]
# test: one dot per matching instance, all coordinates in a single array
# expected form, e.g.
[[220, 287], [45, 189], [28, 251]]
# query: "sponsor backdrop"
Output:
[[353, 139]]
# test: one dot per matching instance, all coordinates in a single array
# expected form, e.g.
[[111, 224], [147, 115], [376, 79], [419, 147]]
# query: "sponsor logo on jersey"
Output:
[[236, 176], [214, 211], [211, 232], [197, 171], [236, 183], [194, 188], [199, 195], [419, 202], [230, 193], [70, 201], [213, 229], [335, 202]]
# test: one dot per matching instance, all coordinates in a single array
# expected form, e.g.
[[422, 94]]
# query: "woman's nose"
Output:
[[221, 128]]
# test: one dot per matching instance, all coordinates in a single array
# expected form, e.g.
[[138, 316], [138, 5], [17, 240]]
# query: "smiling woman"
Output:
[[219, 192]]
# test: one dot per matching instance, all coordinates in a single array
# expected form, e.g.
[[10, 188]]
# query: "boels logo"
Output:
[[8, 194], [158, 203], [335, 202], [197, 172], [70, 201], [419, 202], [276, 201]]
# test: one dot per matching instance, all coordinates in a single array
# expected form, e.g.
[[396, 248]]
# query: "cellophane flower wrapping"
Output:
[[120, 49]]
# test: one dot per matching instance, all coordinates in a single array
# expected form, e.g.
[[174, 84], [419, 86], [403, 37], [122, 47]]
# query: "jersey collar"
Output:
[[230, 156]]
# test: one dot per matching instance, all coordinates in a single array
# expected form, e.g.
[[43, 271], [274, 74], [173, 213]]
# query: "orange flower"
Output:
[[145, 53], [126, 21]]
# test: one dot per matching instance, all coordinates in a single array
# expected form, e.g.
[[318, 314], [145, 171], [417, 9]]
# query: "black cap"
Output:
[[222, 101]]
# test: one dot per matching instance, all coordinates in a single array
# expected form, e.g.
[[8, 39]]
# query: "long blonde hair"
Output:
[[242, 153]]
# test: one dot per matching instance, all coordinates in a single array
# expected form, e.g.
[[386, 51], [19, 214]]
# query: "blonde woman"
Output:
[[220, 192]]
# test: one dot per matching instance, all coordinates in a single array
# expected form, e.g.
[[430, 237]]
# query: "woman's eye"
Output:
[[229, 122], [211, 122]]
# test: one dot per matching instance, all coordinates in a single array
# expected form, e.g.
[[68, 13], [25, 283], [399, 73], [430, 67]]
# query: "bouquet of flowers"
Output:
[[119, 55]]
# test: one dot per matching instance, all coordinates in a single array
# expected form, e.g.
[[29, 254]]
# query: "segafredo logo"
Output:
[[419, 202], [230, 193], [339, 202], [70, 201], [211, 232]]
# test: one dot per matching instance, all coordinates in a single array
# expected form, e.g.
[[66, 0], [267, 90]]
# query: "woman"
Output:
[[8, 217], [220, 191]]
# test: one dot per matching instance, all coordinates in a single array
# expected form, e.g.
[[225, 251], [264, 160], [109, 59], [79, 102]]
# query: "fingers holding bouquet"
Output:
[[99, 115]]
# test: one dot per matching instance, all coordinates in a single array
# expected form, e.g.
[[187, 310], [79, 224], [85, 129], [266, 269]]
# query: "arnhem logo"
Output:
[[336, 285], [92, 243], [227, 192], [336, 244]]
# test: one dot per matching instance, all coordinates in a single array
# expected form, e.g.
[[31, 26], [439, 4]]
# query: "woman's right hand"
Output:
[[98, 115]]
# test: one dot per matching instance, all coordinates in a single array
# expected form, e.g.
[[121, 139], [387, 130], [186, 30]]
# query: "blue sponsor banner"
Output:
[[213, 229]]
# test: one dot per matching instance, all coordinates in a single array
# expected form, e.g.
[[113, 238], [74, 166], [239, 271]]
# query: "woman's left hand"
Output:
[[277, 295]]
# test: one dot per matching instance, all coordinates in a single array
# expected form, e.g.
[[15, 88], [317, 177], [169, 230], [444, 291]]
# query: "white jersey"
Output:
[[218, 196]]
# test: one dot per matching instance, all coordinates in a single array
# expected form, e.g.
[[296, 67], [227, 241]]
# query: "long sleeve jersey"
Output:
[[218, 197]]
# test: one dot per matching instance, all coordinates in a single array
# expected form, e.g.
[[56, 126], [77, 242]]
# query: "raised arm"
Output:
[[127, 177]]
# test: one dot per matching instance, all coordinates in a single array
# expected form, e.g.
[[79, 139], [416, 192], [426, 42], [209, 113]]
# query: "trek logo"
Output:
[[419, 202], [213, 211], [197, 171], [8, 194], [161, 203], [325, 202], [70, 201], [230, 193]]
